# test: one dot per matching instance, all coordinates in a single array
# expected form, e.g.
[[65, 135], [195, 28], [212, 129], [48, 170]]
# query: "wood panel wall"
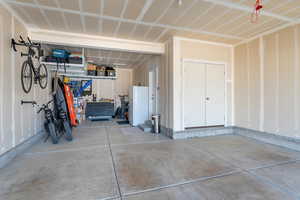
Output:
[[17, 122], [267, 91]]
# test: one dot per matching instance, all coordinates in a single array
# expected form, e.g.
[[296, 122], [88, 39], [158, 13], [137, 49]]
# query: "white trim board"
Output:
[[266, 33], [232, 87], [13, 83], [98, 42], [202, 41], [262, 84], [2, 148], [296, 79]]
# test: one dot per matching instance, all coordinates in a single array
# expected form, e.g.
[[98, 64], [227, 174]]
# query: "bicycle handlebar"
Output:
[[22, 42]]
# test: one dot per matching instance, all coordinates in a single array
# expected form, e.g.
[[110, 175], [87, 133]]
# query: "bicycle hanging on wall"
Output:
[[29, 72]]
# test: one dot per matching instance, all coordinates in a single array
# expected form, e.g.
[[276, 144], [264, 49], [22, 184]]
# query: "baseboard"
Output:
[[198, 132], [166, 131], [19, 149], [270, 138]]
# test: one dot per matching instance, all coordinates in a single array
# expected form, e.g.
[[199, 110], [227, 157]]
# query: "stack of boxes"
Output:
[[100, 70], [76, 58], [91, 69], [110, 71]]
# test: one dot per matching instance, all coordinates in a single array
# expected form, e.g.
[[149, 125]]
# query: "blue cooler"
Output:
[[60, 53]]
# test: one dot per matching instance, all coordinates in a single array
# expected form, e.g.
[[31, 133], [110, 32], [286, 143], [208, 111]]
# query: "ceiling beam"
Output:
[[100, 22], [262, 30], [159, 18], [248, 9], [44, 14], [81, 15], [95, 42], [128, 20], [120, 56], [266, 33], [145, 59], [219, 17], [141, 15], [232, 20], [176, 20], [245, 25], [56, 2], [145, 9], [125, 4], [201, 15], [161, 35], [248, 29], [109, 57]]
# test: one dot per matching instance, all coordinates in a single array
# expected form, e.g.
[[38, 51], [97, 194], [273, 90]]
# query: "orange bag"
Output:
[[70, 104]]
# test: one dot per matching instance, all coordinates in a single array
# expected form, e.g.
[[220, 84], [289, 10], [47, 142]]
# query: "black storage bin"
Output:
[[99, 110], [110, 71], [92, 72]]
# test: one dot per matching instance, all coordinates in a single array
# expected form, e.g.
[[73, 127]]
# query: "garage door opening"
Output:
[[101, 82]]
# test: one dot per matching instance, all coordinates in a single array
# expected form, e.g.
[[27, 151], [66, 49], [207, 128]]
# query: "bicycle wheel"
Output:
[[43, 76], [53, 133], [68, 131], [26, 77]]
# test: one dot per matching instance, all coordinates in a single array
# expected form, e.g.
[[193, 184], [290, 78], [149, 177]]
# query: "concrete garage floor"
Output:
[[107, 161]]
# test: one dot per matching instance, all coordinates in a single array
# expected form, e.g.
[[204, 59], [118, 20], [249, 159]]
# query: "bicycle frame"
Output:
[[40, 73], [30, 55]]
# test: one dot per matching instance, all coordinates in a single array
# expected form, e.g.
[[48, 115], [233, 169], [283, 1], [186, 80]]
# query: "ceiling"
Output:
[[226, 21], [120, 59]]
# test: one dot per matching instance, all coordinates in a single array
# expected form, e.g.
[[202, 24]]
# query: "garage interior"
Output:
[[165, 99]]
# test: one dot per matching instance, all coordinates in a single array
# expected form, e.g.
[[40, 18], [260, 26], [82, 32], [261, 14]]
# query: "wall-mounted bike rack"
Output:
[[28, 102], [22, 42], [30, 73]]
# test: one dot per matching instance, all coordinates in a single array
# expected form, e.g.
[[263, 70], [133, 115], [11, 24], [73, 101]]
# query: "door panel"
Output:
[[215, 95], [194, 94]]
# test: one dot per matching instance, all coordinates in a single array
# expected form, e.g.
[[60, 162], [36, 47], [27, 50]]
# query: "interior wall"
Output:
[[111, 89], [140, 77], [17, 122], [166, 86], [267, 88], [141, 74], [201, 51]]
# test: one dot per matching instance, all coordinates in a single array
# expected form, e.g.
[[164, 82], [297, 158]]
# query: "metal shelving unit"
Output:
[[61, 64], [84, 76], [74, 71], [70, 67]]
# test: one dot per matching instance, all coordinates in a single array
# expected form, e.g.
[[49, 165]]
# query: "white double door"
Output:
[[204, 94]]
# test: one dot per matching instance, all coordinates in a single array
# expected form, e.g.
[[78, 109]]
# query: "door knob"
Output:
[[207, 99]]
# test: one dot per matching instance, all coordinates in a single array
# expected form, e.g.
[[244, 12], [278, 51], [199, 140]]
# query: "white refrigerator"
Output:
[[138, 105]]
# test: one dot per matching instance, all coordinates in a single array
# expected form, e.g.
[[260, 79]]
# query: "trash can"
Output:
[[156, 123]]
